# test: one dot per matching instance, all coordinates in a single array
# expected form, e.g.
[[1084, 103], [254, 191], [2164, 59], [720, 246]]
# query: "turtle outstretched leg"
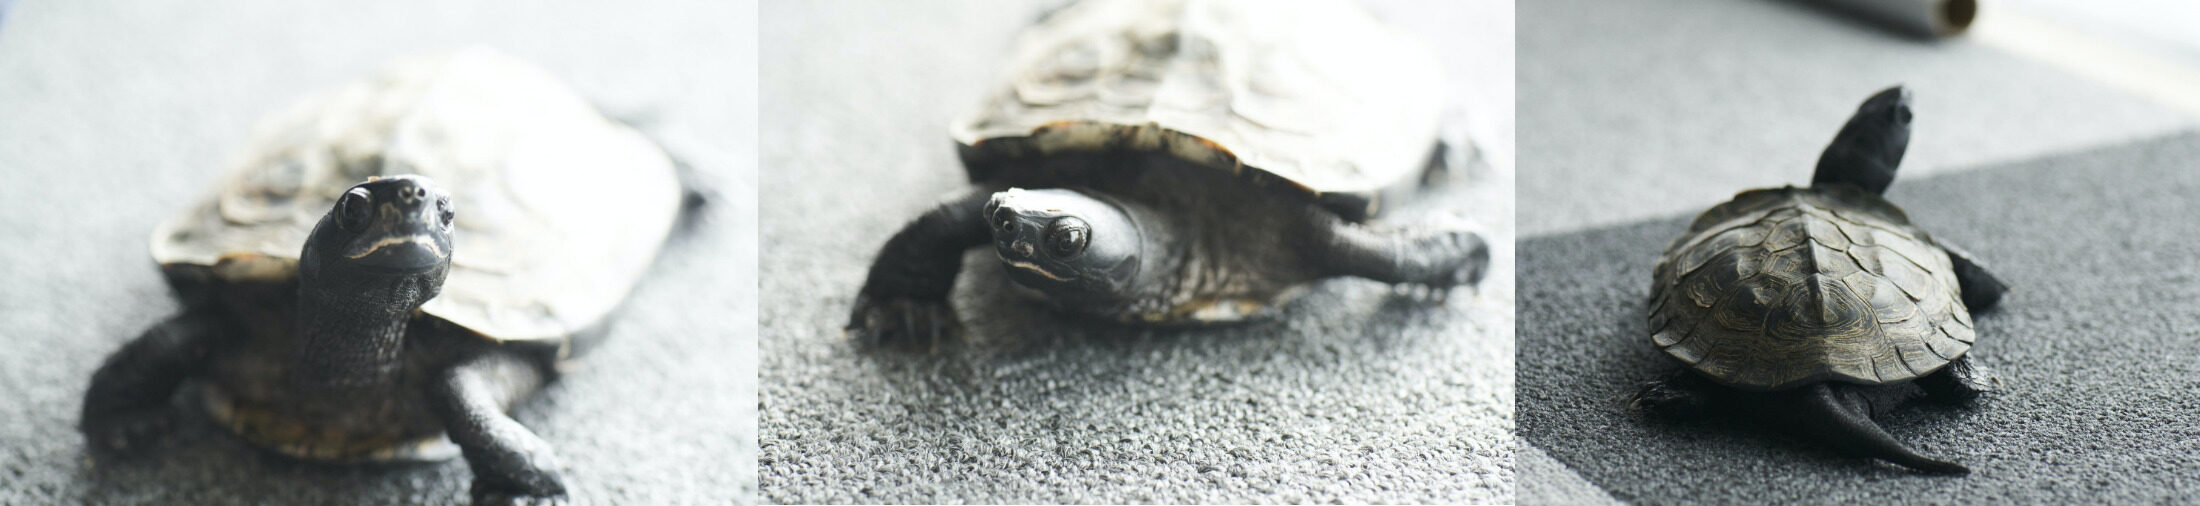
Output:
[[905, 297], [1842, 418], [127, 404], [1981, 290], [1680, 395], [510, 464], [1439, 258], [1870, 146], [1958, 382]]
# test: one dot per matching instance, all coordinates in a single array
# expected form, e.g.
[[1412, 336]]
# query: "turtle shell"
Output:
[[1784, 287], [560, 210], [1311, 96]]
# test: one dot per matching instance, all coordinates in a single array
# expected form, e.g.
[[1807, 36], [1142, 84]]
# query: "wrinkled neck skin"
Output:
[[1162, 248], [351, 330]]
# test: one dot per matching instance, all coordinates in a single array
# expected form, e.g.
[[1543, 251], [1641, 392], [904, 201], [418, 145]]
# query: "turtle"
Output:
[[1185, 162], [337, 304], [1822, 307]]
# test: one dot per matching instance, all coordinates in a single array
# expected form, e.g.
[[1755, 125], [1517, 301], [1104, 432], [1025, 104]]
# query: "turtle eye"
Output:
[[355, 209], [1005, 221], [1902, 115], [444, 209], [1067, 236]]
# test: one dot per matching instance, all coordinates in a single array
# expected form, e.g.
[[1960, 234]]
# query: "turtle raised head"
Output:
[[1163, 162], [500, 221], [1821, 307]]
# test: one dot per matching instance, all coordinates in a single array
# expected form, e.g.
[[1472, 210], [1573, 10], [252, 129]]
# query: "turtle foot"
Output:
[[1668, 399], [128, 431], [1960, 382], [488, 497], [1466, 258], [901, 320]]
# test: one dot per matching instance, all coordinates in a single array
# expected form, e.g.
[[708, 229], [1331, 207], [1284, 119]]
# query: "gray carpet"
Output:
[[1640, 109], [117, 114], [1358, 395], [2098, 347]]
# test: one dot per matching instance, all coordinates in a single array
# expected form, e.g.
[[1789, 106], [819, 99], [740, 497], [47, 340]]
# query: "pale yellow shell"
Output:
[[1315, 91], [560, 210]]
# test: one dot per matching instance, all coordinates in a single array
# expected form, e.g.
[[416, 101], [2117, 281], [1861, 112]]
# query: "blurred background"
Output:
[[2054, 140], [1355, 395], [117, 115]]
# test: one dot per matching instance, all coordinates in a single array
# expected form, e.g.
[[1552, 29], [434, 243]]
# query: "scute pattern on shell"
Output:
[[1316, 92], [1784, 287], [560, 210]]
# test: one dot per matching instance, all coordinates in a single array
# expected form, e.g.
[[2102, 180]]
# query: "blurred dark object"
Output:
[[1930, 19]]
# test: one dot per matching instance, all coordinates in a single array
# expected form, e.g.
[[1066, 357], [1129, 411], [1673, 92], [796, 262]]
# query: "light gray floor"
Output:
[[1357, 396], [115, 115], [1640, 109], [1644, 113]]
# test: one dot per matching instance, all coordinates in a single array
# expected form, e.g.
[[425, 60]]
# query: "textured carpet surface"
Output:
[[2097, 346], [115, 115], [1357, 395], [1641, 109]]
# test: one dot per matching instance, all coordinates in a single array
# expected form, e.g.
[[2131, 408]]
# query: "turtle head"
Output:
[[1072, 248], [386, 227], [1870, 146], [380, 252]]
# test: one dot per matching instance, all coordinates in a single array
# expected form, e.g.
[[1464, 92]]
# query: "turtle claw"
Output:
[[1670, 398], [1960, 382], [899, 320], [496, 497], [1473, 254], [128, 431], [1423, 292]]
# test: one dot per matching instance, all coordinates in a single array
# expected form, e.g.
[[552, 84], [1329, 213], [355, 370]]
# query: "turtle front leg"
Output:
[[510, 464], [1439, 259], [126, 407], [905, 297], [1960, 381]]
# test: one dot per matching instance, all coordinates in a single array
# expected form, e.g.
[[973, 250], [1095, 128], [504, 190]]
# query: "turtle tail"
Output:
[[1845, 423]]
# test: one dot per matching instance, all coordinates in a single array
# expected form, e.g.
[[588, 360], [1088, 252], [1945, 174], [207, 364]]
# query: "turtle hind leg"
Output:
[[1843, 421], [1959, 382], [904, 298], [1434, 258], [1677, 396], [511, 465], [126, 407], [1982, 291]]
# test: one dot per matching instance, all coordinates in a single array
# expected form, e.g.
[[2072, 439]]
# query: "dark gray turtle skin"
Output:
[[1821, 307], [331, 320], [1181, 162]]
